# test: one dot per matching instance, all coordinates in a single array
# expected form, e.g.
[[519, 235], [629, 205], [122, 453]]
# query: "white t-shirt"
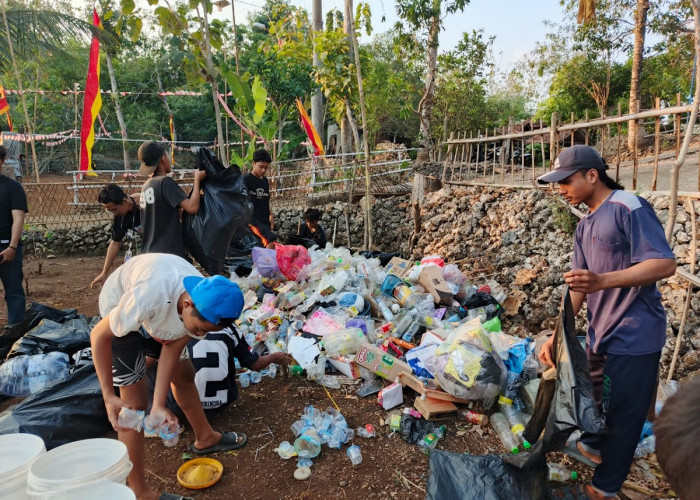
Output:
[[144, 292]]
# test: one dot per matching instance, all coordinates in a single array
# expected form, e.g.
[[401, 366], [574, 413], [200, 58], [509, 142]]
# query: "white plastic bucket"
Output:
[[78, 464], [18, 453], [103, 490]]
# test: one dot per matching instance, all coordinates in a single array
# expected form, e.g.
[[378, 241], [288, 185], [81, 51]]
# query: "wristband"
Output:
[[13, 248]]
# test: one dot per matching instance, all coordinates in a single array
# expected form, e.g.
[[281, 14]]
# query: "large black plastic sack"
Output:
[[566, 403], [48, 336], [384, 257], [34, 314], [224, 208], [467, 477], [68, 411]]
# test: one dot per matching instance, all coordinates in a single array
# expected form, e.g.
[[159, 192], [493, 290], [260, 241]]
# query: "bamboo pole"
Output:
[[493, 162], [657, 143], [571, 142], [544, 163], [677, 126], [619, 140]]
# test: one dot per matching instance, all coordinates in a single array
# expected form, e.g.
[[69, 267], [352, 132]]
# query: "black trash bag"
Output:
[[467, 477], [242, 266], [34, 314], [224, 208], [565, 403], [70, 410], [384, 257], [414, 429], [49, 336]]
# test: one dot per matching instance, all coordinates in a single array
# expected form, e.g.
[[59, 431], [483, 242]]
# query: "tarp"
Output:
[[34, 314]]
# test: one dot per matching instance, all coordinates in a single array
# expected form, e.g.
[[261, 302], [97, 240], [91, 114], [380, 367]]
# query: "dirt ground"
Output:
[[391, 468]]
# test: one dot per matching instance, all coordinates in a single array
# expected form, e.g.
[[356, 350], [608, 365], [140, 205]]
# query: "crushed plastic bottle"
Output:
[[500, 425], [384, 306], [132, 419], [367, 431], [308, 445], [560, 474], [430, 441], [285, 450]]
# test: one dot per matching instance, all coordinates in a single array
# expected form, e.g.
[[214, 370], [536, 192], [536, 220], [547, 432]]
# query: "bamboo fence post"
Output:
[[469, 155], [586, 129], [571, 142], [447, 158], [511, 147], [502, 160], [553, 140], [493, 160], [532, 158], [544, 163], [522, 154], [465, 147], [635, 160], [657, 141], [619, 140], [478, 150]]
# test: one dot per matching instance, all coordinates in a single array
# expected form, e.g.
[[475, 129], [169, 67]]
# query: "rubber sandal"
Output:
[[571, 450], [228, 441], [173, 496]]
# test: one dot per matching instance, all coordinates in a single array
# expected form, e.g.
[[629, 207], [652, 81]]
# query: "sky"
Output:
[[516, 24]]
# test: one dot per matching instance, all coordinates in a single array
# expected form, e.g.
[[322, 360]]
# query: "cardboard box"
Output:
[[345, 366], [398, 267], [383, 364], [391, 396], [431, 279]]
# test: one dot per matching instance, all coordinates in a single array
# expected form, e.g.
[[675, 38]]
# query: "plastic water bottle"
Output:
[[500, 425], [560, 474], [170, 434], [46, 369], [384, 307], [645, 447], [133, 419], [355, 454], [411, 331], [308, 445], [255, 377], [13, 377], [244, 379], [514, 421], [430, 441], [366, 432]]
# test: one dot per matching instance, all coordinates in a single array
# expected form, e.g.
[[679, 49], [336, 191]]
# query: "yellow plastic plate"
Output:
[[199, 473]]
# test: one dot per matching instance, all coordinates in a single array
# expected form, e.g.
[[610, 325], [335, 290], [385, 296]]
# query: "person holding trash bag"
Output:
[[161, 199], [151, 306], [262, 223], [620, 251], [127, 222]]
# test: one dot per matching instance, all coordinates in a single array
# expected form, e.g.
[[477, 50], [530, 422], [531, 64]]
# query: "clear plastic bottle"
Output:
[[430, 441], [384, 306], [411, 331], [517, 427], [402, 323], [133, 419], [645, 447], [285, 450], [500, 425], [560, 474], [355, 454], [308, 445]]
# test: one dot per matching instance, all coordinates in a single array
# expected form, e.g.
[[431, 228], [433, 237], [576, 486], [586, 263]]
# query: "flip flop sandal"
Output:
[[173, 496], [228, 441]]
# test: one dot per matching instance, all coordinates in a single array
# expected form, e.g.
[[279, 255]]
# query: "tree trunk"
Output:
[[425, 107], [352, 124], [365, 140], [346, 130], [118, 109], [317, 97], [640, 22], [211, 76]]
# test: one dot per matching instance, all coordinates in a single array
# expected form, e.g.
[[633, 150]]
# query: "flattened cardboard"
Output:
[[383, 364], [398, 267]]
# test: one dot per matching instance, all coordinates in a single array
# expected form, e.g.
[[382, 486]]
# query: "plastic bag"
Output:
[[68, 411], [565, 403], [347, 341], [291, 259], [34, 314], [49, 336], [224, 208], [24, 375], [466, 366], [265, 260], [414, 429], [467, 477]]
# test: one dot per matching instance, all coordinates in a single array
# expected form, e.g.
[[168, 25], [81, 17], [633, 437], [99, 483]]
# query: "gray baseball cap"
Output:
[[571, 160]]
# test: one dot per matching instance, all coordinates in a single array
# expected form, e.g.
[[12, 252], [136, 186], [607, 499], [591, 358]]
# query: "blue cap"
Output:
[[217, 299]]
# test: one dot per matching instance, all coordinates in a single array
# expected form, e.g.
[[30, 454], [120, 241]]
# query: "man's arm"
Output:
[[644, 273], [272, 221], [101, 343], [281, 358], [191, 204], [8, 255], [112, 252]]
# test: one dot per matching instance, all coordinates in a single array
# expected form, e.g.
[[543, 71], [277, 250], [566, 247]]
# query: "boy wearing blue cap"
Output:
[[620, 252], [151, 306]]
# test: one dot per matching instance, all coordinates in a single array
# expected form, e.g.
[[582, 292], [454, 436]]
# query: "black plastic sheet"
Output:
[[384, 257], [68, 411], [414, 429], [34, 314], [224, 208], [49, 336], [565, 403], [467, 477]]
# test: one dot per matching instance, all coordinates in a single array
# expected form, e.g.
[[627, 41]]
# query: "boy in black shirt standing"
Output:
[[127, 221], [262, 223], [161, 199]]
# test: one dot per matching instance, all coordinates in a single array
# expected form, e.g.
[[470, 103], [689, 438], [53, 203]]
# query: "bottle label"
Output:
[[474, 418]]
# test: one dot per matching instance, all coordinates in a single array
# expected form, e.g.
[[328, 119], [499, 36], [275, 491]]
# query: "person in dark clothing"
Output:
[[13, 208], [310, 228], [262, 223], [620, 252], [127, 222], [161, 199]]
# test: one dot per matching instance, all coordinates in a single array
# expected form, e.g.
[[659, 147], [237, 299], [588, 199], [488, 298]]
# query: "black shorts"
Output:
[[129, 357]]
